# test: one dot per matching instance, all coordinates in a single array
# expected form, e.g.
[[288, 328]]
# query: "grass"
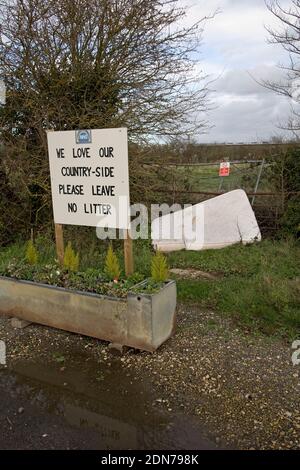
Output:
[[257, 285]]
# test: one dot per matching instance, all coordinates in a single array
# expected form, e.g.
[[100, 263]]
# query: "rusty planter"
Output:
[[142, 321]]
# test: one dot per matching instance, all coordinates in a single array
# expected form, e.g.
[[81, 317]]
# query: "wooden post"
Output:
[[128, 253], [59, 239], [221, 183], [258, 180]]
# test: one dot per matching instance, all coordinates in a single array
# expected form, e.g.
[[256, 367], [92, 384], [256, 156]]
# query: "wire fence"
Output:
[[184, 183]]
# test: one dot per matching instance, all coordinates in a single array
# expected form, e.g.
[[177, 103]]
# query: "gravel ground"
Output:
[[241, 388]]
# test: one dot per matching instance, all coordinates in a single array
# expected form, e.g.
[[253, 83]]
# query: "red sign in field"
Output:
[[224, 169]]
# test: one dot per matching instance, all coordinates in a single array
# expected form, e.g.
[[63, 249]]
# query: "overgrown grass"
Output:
[[257, 285]]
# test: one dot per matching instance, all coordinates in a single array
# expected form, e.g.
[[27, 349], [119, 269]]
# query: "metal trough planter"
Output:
[[142, 321]]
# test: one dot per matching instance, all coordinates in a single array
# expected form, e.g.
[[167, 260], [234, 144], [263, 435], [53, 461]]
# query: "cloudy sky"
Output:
[[235, 47]]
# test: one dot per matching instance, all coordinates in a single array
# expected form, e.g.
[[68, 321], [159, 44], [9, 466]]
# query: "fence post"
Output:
[[258, 180]]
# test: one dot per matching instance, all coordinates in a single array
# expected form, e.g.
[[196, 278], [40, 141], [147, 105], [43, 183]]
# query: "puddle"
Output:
[[106, 406]]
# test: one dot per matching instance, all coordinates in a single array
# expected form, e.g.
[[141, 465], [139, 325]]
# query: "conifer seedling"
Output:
[[71, 259], [112, 267], [159, 267], [31, 253]]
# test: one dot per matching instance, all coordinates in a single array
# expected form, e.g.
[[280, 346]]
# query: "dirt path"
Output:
[[211, 385]]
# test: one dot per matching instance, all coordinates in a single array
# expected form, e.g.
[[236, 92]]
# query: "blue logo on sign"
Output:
[[83, 137]]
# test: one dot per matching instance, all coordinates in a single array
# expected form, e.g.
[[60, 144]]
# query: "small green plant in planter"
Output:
[[31, 254], [159, 275], [159, 268], [112, 267], [71, 259]]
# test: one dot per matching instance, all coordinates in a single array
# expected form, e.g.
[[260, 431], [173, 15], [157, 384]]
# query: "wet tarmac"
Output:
[[87, 405]]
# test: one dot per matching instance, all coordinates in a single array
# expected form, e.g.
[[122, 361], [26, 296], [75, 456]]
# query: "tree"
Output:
[[287, 35], [286, 168], [87, 63], [75, 64]]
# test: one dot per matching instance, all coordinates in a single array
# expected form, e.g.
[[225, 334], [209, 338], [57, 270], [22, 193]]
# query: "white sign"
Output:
[[89, 177]]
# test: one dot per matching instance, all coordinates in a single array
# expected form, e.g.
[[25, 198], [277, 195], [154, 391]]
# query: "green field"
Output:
[[206, 178]]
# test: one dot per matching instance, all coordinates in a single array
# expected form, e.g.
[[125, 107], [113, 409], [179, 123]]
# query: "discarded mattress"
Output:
[[216, 223]]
